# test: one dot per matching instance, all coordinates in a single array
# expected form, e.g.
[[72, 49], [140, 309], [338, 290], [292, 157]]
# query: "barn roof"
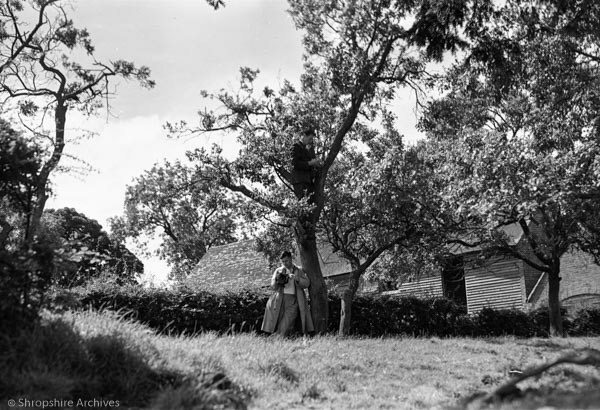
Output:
[[239, 264], [513, 232], [232, 266]]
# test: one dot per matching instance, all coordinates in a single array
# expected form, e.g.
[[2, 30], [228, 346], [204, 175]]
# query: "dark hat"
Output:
[[309, 131]]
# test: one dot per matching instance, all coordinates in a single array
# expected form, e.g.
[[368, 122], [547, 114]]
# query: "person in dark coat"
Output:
[[288, 300], [305, 165]]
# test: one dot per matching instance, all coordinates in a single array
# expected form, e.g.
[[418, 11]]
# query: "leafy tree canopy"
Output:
[[189, 213], [19, 167], [357, 55], [515, 137]]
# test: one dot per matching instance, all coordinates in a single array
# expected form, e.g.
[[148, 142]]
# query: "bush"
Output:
[[25, 275], [181, 311], [501, 322], [586, 322]]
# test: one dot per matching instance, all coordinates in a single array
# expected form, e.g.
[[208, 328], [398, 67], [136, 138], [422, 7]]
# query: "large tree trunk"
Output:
[[556, 327], [319, 305], [41, 189], [5, 231], [36, 212], [346, 303]]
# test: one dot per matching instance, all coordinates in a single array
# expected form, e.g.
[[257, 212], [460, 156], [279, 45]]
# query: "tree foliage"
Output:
[[515, 137], [357, 54], [48, 68], [188, 212], [19, 167]]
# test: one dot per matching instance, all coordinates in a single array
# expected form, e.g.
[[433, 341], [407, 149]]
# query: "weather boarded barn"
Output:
[[579, 285], [426, 287], [498, 283], [505, 282]]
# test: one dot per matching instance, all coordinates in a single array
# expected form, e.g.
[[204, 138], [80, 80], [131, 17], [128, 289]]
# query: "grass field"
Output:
[[91, 355]]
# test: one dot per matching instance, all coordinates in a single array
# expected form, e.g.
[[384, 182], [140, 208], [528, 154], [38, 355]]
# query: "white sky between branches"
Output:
[[189, 47]]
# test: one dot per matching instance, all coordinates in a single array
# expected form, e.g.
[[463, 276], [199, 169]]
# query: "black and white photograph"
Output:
[[300, 204]]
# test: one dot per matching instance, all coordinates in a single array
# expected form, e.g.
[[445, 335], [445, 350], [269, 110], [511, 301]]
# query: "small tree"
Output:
[[376, 207], [191, 216]]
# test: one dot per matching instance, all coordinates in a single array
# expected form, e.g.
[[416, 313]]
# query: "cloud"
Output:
[[120, 152]]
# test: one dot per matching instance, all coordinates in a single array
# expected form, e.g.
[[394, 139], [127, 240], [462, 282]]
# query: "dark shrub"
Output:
[[25, 276], [586, 322], [491, 322], [384, 315]]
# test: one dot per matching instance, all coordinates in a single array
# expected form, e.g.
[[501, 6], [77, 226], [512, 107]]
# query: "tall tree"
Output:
[[41, 80], [191, 216], [516, 137], [357, 54]]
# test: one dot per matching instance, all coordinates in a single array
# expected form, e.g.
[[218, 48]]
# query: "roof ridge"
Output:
[[233, 243]]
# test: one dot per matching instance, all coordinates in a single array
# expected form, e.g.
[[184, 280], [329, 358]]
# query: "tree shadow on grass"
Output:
[[53, 361]]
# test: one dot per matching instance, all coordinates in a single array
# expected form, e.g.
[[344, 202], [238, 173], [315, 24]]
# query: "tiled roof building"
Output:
[[232, 266], [239, 265]]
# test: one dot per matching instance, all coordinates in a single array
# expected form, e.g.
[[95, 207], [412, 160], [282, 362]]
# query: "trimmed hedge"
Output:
[[380, 316], [185, 311]]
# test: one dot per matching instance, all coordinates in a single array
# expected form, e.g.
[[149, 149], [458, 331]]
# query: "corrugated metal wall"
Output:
[[422, 288], [498, 284]]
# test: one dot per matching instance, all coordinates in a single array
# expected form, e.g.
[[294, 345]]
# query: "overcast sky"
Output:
[[189, 47]]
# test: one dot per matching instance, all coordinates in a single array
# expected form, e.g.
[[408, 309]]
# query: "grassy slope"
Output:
[[269, 372], [391, 373]]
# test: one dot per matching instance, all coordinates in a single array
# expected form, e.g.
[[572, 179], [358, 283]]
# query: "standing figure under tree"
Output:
[[288, 299]]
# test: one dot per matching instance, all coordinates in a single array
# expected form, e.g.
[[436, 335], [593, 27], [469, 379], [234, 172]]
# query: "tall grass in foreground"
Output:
[[102, 355], [90, 355]]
